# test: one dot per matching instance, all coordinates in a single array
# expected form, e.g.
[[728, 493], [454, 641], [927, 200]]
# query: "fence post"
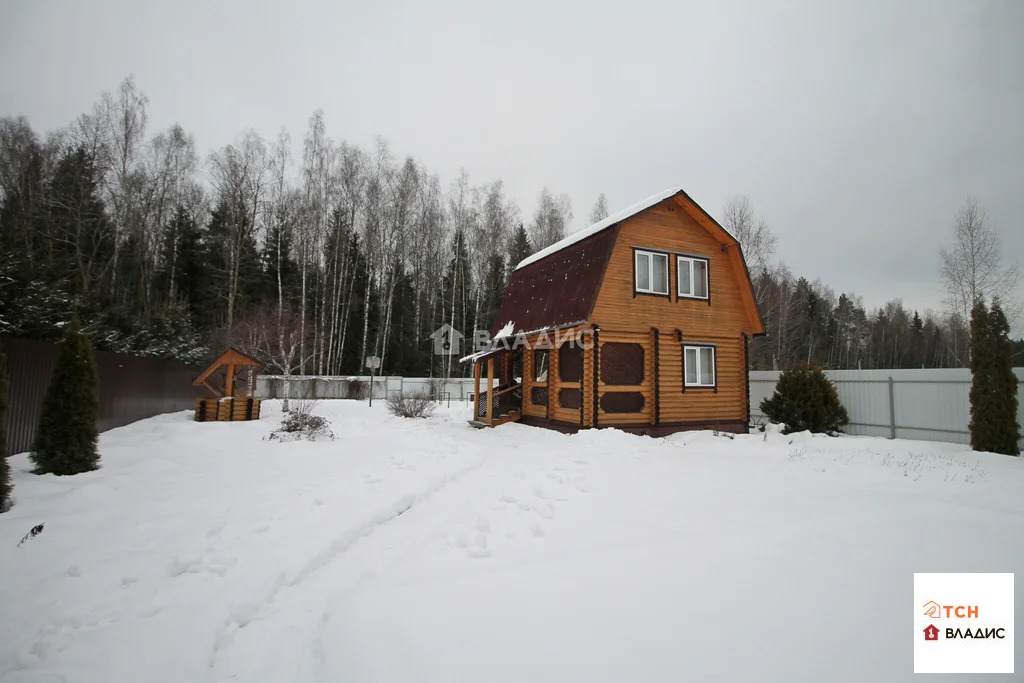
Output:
[[892, 412]]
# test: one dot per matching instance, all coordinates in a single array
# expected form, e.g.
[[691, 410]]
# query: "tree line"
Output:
[[314, 263]]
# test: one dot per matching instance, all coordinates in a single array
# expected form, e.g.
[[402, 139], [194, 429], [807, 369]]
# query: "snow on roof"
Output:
[[506, 331], [600, 225]]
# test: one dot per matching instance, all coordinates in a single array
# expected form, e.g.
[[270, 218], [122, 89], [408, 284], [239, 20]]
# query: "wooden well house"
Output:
[[640, 322], [229, 402]]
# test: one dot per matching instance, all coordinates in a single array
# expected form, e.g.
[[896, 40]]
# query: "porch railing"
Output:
[[504, 401]]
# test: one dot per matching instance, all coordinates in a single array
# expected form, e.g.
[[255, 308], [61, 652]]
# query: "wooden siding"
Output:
[[727, 401], [670, 228], [721, 320], [621, 316], [646, 387]]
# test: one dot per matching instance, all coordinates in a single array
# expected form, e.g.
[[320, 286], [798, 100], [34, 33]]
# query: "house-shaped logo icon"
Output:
[[933, 609], [931, 633], [447, 340]]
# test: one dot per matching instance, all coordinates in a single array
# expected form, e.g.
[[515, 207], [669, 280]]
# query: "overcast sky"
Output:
[[856, 129]]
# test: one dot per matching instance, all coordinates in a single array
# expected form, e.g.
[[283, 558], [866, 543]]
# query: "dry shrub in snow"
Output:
[[410, 405], [300, 423]]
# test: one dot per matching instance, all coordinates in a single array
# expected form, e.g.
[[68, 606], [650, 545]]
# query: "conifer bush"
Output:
[[993, 425], [5, 467], [67, 432], [805, 399]]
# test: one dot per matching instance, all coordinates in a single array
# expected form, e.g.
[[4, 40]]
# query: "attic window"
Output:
[[693, 277], [651, 273]]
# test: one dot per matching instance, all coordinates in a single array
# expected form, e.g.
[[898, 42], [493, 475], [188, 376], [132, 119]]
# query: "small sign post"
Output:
[[372, 362]]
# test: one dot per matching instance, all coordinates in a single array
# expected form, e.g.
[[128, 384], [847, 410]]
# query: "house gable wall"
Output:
[[721, 320]]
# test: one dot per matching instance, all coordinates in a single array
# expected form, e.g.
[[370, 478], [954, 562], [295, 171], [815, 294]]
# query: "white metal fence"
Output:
[[317, 387], [931, 405]]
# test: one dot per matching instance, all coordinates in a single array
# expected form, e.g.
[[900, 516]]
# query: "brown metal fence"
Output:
[[131, 388]]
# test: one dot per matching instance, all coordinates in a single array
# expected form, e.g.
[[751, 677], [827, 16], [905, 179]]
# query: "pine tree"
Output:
[[1005, 429], [182, 275], [519, 247], [805, 399], [494, 290], [993, 396], [979, 395], [67, 433], [5, 467], [83, 236]]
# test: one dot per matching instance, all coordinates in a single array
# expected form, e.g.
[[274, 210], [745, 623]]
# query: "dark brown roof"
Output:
[[558, 290]]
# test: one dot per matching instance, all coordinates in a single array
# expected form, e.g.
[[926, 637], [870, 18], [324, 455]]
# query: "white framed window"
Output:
[[699, 364], [651, 272], [692, 277]]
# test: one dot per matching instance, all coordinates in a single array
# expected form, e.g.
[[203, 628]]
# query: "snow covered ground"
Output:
[[424, 550]]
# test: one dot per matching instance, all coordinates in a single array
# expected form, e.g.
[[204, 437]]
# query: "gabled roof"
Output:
[[230, 357], [613, 219], [557, 290], [558, 286]]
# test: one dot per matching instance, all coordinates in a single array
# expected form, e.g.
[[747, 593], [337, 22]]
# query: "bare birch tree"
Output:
[[972, 268], [551, 219], [123, 117], [240, 173], [600, 210]]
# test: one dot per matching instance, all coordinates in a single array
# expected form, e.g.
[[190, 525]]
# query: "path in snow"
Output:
[[429, 551]]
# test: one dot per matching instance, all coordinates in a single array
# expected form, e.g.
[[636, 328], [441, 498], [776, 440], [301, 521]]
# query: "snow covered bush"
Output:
[[5, 467], [410, 405], [67, 432], [300, 423], [805, 399]]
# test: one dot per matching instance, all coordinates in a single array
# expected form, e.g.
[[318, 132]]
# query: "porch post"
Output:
[[476, 391], [229, 380], [490, 389]]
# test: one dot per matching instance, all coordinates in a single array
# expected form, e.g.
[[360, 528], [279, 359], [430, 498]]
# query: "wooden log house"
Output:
[[229, 402], [639, 322]]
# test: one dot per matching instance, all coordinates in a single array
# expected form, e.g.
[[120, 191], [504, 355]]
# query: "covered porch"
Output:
[[497, 387]]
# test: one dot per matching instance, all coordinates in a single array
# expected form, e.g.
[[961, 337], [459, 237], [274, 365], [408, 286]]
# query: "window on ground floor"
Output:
[[699, 364]]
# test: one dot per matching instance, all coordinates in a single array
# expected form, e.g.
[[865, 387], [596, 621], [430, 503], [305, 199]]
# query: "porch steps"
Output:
[[498, 420]]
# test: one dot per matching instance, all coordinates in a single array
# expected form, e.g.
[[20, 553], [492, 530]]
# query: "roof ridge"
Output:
[[603, 224]]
